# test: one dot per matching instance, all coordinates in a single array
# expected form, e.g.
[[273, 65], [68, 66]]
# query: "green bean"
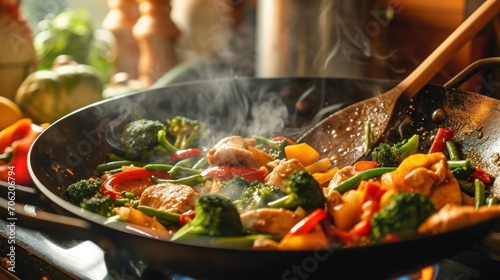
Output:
[[170, 218], [452, 150], [479, 193], [117, 164], [158, 167], [464, 164], [121, 201], [188, 181], [180, 171], [127, 194], [201, 164], [188, 162], [467, 187], [365, 175]]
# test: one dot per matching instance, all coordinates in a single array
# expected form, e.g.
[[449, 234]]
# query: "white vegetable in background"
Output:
[[17, 54]]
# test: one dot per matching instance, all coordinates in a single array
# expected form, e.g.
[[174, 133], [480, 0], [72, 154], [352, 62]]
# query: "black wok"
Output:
[[71, 148]]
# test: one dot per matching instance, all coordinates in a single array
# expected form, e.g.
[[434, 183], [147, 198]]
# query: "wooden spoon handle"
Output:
[[414, 82]]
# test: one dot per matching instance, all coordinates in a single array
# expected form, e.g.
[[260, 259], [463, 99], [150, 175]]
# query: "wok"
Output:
[[70, 149]]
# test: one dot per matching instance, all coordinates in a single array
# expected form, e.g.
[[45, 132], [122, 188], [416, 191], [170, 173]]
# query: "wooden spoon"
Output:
[[340, 136]]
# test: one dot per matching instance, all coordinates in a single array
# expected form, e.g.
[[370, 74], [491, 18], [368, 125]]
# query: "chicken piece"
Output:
[[427, 174], [269, 220], [231, 150], [451, 217], [279, 173], [169, 197], [341, 175]]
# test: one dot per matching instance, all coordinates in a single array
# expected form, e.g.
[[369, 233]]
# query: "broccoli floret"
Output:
[[76, 192], [100, 204], [391, 156], [234, 187], [140, 138], [402, 216], [215, 215], [275, 148], [302, 190], [187, 132], [258, 195]]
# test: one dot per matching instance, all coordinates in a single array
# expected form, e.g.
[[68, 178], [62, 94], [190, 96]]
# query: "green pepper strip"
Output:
[[365, 175]]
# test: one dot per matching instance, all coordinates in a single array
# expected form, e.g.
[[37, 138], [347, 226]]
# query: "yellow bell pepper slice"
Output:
[[303, 152]]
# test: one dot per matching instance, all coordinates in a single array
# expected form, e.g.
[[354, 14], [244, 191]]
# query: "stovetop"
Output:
[[39, 256]]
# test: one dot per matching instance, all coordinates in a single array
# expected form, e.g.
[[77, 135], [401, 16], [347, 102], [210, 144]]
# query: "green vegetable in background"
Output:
[[47, 95], [71, 33]]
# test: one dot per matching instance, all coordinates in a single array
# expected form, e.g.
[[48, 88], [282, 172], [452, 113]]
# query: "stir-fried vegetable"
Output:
[[258, 195], [215, 215], [274, 193], [391, 155], [82, 189], [301, 190], [403, 215]]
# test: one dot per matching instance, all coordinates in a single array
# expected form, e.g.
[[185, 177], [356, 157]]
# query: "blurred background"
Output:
[[170, 41]]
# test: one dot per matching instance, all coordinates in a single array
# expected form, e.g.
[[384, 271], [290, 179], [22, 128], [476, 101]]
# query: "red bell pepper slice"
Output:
[[187, 217], [184, 154], [482, 175], [307, 224], [228, 172], [108, 188], [371, 191], [442, 136], [365, 165]]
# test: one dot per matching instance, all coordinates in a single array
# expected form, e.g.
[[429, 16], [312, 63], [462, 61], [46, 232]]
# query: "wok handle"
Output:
[[23, 193], [29, 216], [472, 69]]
